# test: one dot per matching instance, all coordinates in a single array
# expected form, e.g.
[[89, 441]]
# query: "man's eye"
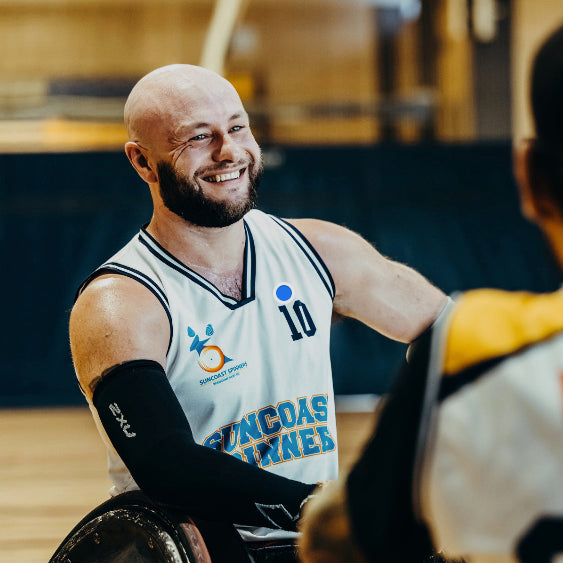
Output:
[[198, 137], [236, 128]]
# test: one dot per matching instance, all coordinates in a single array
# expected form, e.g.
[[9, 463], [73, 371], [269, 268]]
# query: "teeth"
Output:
[[224, 177]]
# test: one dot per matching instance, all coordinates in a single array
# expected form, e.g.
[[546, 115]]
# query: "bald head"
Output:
[[161, 98], [188, 129]]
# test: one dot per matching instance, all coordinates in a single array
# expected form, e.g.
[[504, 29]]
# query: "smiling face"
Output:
[[188, 200], [195, 135]]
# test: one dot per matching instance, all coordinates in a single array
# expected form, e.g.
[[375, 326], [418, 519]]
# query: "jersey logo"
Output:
[[212, 359]]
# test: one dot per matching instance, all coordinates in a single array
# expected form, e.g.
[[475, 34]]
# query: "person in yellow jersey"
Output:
[[467, 453]]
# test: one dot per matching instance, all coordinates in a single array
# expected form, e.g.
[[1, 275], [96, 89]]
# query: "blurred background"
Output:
[[392, 117]]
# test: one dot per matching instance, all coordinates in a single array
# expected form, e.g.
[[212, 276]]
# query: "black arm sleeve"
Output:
[[149, 430]]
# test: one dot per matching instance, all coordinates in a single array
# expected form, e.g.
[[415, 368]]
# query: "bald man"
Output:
[[203, 345]]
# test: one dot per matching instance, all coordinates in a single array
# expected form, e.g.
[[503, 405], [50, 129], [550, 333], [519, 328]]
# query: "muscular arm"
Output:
[[119, 336], [115, 320], [387, 296]]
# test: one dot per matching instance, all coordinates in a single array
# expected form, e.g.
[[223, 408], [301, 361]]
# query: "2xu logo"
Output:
[[125, 426]]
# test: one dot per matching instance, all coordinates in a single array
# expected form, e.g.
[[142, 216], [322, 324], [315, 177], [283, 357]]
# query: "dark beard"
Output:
[[186, 199]]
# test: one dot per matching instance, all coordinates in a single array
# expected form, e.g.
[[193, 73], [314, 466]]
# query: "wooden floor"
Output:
[[53, 471]]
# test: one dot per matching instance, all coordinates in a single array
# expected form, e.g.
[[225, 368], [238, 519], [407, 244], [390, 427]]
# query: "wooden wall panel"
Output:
[[115, 40], [314, 55], [454, 71], [304, 52]]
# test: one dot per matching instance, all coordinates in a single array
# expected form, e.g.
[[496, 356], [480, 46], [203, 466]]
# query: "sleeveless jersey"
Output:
[[253, 376]]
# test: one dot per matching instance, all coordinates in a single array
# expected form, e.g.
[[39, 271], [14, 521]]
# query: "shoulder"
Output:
[[323, 235], [349, 257], [110, 294], [319, 231], [331, 241], [490, 323], [116, 319]]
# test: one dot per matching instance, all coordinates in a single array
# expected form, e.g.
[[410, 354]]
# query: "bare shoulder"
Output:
[[333, 242], [322, 233], [386, 295], [116, 319], [343, 251]]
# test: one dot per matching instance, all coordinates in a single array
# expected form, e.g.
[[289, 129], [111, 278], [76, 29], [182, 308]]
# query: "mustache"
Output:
[[222, 169]]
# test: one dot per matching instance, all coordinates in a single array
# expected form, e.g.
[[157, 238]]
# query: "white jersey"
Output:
[[253, 376], [467, 452], [490, 485]]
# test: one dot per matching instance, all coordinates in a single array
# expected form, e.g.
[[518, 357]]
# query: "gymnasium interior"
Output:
[[395, 118]]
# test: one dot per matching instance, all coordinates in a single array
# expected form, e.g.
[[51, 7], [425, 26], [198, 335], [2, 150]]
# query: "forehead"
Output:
[[204, 105]]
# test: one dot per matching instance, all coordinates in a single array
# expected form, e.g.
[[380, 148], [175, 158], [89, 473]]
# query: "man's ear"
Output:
[[536, 201], [138, 158]]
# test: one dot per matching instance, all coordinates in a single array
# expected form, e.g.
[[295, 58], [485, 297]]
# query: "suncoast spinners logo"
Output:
[[212, 359]]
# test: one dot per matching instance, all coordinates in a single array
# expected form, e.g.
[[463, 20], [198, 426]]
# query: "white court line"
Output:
[[356, 403]]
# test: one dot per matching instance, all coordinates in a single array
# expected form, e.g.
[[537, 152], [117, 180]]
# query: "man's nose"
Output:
[[226, 149]]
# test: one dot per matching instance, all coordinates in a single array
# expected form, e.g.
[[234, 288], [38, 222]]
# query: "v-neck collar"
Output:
[[248, 276]]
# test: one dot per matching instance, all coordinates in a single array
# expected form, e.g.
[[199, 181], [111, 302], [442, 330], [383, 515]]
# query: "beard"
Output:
[[186, 199]]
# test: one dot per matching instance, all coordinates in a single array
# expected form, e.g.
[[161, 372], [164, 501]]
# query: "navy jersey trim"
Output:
[[170, 260], [249, 274], [115, 268], [313, 256], [155, 288], [451, 384]]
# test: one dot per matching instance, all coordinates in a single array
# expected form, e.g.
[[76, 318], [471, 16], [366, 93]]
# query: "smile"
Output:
[[224, 177]]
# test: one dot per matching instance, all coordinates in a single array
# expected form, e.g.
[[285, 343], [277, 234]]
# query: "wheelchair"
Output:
[[130, 528]]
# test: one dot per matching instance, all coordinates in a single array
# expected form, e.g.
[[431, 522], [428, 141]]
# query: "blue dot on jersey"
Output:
[[284, 292]]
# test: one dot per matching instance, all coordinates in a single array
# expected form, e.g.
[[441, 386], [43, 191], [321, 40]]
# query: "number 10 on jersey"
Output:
[[299, 315]]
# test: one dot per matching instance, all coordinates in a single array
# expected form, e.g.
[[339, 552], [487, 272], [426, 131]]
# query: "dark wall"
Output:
[[449, 211]]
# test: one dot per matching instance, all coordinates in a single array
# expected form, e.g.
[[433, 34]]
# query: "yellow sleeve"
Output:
[[488, 323]]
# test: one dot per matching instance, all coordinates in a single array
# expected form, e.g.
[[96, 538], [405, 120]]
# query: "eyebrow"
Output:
[[203, 124]]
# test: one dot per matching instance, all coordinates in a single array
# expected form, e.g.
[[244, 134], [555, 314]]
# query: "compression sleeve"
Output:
[[149, 430]]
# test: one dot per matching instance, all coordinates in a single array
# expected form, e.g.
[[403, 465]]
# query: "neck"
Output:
[[215, 250]]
